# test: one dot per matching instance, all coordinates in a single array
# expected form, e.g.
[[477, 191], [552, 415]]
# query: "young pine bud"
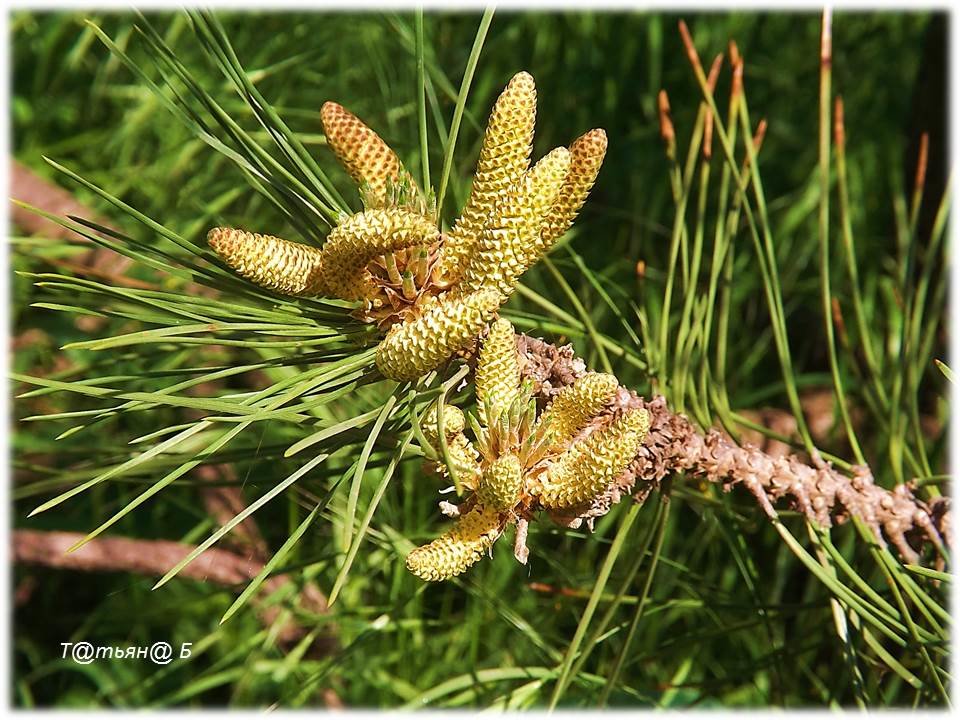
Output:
[[408, 286], [393, 272], [422, 266]]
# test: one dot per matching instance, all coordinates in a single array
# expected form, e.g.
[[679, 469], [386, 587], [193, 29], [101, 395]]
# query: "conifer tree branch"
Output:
[[672, 444]]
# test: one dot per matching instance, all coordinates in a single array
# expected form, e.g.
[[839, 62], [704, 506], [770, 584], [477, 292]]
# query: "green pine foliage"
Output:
[[128, 388]]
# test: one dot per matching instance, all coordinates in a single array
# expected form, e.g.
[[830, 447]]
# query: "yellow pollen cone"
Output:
[[363, 153], [504, 158], [271, 262], [414, 347], [453, 423], [457, 549], [575, 404], [502, 482], [587, 469], [586, 157], [363, 237], [510, 241], [498, 369]]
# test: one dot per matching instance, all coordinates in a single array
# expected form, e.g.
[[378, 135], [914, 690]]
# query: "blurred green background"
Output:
[[484, 640]]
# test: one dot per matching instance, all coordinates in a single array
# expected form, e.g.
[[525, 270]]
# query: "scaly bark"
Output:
[[672, 444]]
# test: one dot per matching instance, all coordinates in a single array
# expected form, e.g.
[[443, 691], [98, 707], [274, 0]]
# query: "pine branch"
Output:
[[673, 444]]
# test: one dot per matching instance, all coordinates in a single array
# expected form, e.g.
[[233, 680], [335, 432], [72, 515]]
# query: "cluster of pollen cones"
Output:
[[434, 293], [431, 292], [522, 460]]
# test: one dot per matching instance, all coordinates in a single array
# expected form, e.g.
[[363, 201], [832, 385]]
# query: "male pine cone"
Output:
[[270, 262], [457, 549], [588, 468], [414, 348]]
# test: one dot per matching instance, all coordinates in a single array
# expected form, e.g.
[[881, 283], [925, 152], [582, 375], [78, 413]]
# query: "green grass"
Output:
[[171, 124]]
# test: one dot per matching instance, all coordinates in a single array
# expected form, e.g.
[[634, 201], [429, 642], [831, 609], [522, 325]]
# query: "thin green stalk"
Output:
[[604, 295], [582, 312], [918, 361], [840, 561], [641, 605], [889, 626], [684, 336], [198, 458], [914, 631], [574, 327], [849, 254], [723, 334], [826, 60], [368, 516], [442, 434], [274, 561], [678, 236], [772, 284], [721, 261], [920, 598], [422, 102], [839, 617], [271, 121], [764, 244], [461, 102], [621, 595], [236, 520], [354, 495], [603, 575], [676, 192]]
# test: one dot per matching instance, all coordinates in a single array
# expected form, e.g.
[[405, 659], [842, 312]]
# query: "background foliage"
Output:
[[730, 617]]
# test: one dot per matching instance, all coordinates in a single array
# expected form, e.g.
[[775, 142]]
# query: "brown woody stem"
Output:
[[823, 494], [154, 557]]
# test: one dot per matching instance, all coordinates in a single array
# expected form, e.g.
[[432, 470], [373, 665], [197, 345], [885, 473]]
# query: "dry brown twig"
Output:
[[35, 190], [154, 557]]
